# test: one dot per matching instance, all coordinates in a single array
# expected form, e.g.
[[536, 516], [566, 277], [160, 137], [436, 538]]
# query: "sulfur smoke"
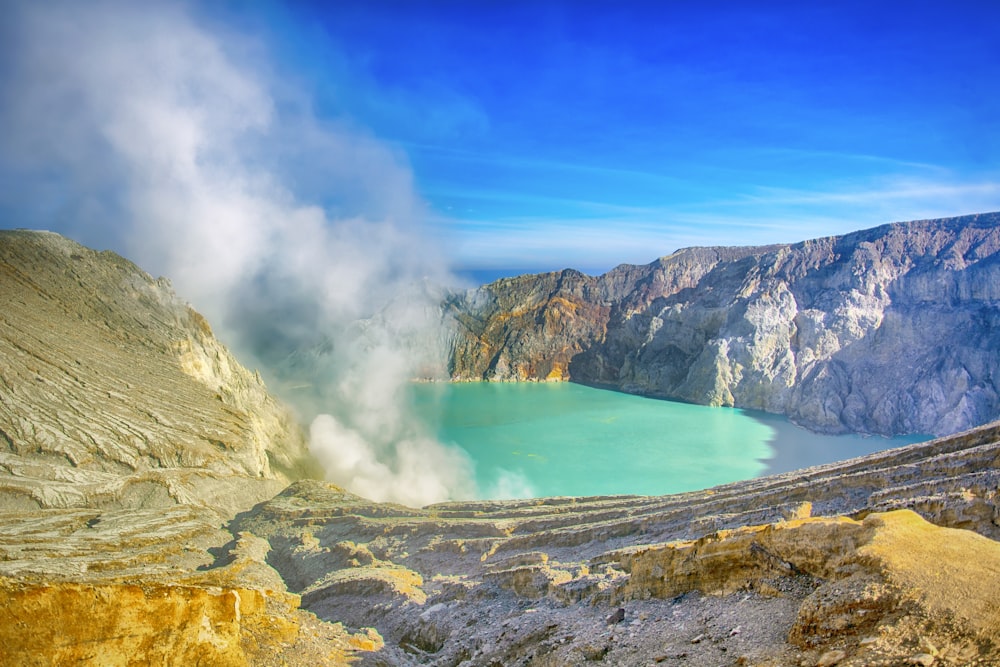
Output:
[[138, 127]]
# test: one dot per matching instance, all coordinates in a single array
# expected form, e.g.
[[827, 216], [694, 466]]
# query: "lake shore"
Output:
[[795, 447]]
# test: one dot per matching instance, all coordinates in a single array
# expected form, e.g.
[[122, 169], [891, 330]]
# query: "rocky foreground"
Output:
[[889, 330], [886, 560], [889, 559], [139, 525]]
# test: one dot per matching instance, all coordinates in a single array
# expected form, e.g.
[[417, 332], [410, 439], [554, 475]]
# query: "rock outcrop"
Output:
[[877, 560], [133, 448], [115, 394], [128, 436], [165, 586], [890, 330]]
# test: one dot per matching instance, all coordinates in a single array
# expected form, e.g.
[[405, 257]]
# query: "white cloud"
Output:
[[607, 235], [164, 141]]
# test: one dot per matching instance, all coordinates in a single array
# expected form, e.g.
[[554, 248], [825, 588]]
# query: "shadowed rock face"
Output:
[[114, 393], [890, 330]]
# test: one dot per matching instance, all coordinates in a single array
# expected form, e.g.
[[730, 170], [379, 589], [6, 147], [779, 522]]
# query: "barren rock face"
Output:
[[128, 434], [114, 393], [133, 448], [165, 586], [778, 570], [890, 330]]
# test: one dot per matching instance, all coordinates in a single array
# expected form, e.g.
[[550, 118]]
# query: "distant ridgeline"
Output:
[[890, 330]]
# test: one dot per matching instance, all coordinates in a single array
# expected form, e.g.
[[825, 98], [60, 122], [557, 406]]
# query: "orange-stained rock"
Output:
[[128, 624]]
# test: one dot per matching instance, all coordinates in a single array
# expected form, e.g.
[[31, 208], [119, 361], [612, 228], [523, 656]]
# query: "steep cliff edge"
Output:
[[115, 394], [890, 330]]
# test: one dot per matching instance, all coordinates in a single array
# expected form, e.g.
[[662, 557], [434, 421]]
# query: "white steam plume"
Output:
[[153, 133]]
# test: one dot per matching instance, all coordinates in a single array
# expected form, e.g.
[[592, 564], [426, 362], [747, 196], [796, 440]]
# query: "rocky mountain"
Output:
[[890, 330], [115, 394], [139, 525]]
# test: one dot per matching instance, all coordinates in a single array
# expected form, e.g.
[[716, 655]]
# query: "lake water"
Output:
[[551, 439]]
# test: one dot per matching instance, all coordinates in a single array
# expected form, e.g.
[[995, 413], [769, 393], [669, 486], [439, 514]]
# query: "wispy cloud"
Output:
[[802, 155], [904, 190], [609, 234], [524, 210], [535, 164]]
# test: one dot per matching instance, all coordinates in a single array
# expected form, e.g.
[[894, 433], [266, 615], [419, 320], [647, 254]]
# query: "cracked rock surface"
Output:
[[114, 393], [869, 557], [128, 436]]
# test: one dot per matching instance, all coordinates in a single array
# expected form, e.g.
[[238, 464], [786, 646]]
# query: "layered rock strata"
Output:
[[128, 436], [165, 586], [877, 560], [114, 393], [890, 330], [132, 438]]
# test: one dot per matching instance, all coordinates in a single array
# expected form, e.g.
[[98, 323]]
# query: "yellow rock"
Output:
[[127, 624], [891, 563]]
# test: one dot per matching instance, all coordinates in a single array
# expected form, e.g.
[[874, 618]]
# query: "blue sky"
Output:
[[541, 135], [585, 134]]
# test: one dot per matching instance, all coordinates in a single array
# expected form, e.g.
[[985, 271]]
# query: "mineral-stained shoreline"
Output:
[[138, 532]]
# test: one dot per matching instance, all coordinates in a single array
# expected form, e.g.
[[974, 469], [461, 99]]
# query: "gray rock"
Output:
[[137, 433], [889, 330]]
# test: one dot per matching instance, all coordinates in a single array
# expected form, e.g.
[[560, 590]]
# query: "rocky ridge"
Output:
[[890, 330], [878, 560], [128, 437], [133, 437]]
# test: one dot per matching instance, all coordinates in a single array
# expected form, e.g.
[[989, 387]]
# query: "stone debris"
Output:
[[831, 658]]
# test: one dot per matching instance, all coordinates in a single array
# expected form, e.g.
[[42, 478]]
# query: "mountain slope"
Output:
[[889, 330], [114, 393]]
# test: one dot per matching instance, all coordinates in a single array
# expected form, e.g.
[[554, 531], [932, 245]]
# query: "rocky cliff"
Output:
[[115, 394], [890, 330], [131, 437]]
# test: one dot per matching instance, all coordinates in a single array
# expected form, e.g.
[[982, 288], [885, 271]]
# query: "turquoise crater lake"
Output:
[[564, 439]]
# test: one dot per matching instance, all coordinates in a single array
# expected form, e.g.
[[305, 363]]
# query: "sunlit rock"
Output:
[[890, 330]]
